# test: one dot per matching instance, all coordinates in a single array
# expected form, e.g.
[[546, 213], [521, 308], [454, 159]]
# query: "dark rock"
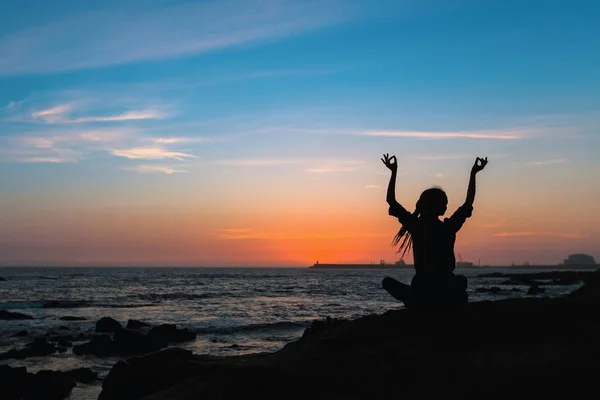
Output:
[[139, 376], [61, 349], [17, 384], [322, 325], [100, 346], [7, 315], [20, 333], [83, 375], [61, 338], [535, 289], [107, 325], [2, 279], [170, 333], [39, 347], [135, 324], [48, 385], [493, 289], [473, 353], [132, 342], [63, 328], [12, 381], [71, 318], [515, 289], [65, 343]]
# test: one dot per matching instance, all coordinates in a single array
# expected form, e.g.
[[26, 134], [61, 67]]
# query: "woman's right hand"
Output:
[[390, 162]]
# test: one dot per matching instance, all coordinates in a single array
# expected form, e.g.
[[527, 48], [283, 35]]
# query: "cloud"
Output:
[[175, 140], [493, 134], [52, 114], [247, 234], [439, 175], [548, 162], [158, 169], [259, 162], [372, 186], [150, 153], [566, 235], [127, 34], [59, 115], [54, 160]]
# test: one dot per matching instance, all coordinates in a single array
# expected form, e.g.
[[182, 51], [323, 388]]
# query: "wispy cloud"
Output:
[[158, 169], [548, 162], [372, 186], [259, 162], [54, 160], [150, 153], [106, 37], [247, 234], [493, 134], [439, 175], [60, 115], [566, 235]]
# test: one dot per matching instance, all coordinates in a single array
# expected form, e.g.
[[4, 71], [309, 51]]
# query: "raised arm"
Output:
[[392, 164], [396, 208], [479, 165]]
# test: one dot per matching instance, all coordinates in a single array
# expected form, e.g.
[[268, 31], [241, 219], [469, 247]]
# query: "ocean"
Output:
[[233, 310]]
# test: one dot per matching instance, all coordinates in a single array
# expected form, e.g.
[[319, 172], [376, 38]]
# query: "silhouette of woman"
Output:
[[434, 286]]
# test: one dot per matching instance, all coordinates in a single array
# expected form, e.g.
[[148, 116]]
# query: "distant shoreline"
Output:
[[410, 266]]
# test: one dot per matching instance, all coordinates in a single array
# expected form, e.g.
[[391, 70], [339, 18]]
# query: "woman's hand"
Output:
[[480, 164], [391, 162]]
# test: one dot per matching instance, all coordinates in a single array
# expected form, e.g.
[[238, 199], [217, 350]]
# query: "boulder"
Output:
[[2, 279], [7, 315], [12, 381], [72, 318], [132, 342], [17, 384], [135, 324], [100, 346], [38, 348], [535, 289], [107, 325], [170, 333], [20, 333], [83, 375]]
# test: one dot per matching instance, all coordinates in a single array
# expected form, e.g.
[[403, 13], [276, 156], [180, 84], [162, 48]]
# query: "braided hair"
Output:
[[430, 202]]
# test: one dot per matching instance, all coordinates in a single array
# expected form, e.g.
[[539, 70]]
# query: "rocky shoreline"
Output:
[[491, 348]]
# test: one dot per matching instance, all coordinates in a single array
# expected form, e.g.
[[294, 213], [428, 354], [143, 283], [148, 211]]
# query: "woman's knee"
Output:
[[387, 282]]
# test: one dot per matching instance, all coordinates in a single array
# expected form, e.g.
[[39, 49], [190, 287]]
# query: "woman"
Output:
[[434, 285]]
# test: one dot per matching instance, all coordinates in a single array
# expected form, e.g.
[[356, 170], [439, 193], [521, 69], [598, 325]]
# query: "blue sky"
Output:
[[144, 99]]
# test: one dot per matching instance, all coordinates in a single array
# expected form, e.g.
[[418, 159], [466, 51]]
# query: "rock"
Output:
[[135, 324], [2, 279], [17, 384], [65, 343], [493, 289], [20, 333], [71, 318], [48, 385], [7, 315], [473, 353], [12, 381], [39, 347], [322, 325], [515, 289], [83, 375], [107, 325], [132, 342], [535, 289], [100, 346], [139, 376], [170, 333], [63, 328]]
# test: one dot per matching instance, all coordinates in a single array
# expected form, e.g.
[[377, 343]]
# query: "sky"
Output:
[[250, 132]]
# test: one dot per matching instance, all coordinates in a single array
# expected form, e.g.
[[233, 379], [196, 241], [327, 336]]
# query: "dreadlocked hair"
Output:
[[429, 202]]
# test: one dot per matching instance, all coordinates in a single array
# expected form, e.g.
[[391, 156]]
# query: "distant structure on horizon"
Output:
[[579, 259]]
